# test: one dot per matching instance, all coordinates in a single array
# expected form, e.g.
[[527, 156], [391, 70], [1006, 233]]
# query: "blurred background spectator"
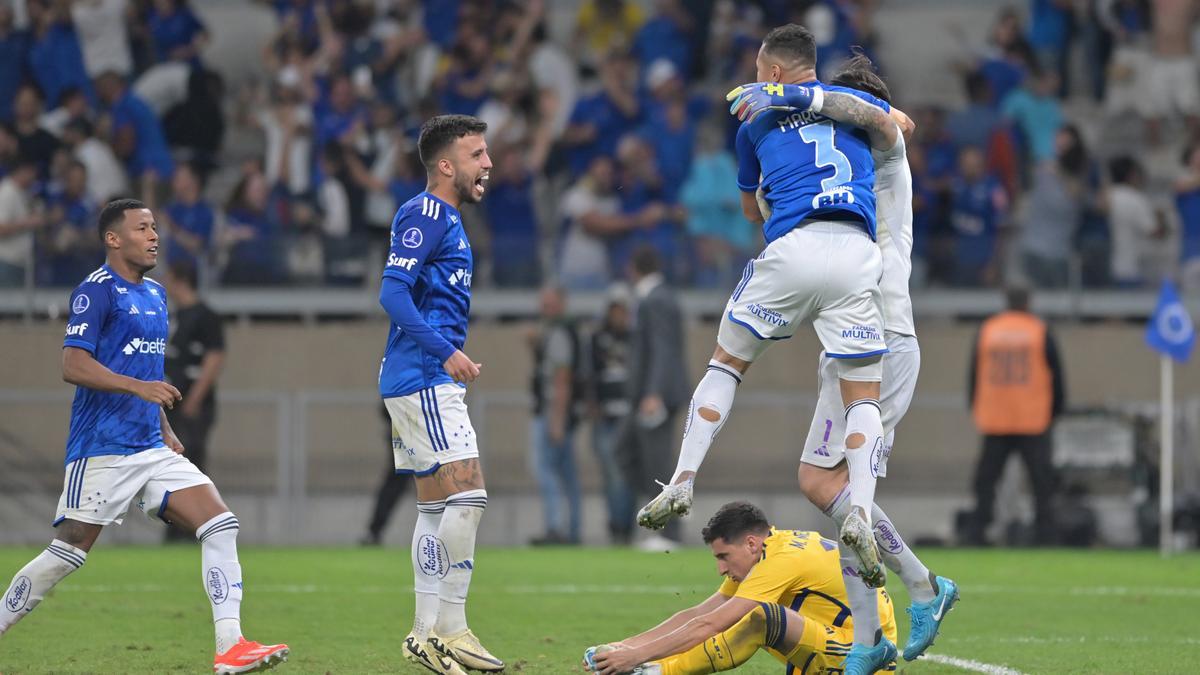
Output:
[[18, 221], [195, 357], [556, 365], [605, 126], [609, 407]]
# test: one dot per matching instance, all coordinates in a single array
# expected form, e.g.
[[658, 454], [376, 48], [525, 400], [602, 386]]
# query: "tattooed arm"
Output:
[[849, 109], [748, 101]]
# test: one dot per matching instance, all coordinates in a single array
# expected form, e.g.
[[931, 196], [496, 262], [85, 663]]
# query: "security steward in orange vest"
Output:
[[1016, 391]]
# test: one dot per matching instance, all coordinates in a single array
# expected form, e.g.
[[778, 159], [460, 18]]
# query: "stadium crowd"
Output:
[[611, 140]]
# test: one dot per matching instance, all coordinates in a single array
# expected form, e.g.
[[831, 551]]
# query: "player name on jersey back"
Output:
[[808, 166]]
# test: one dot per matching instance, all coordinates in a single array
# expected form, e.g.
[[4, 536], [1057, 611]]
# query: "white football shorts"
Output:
[[431, 428], [824, 446], [99, 490], [824, 271]]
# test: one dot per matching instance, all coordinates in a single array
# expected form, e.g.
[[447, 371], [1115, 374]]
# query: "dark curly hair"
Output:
[[859, 73]]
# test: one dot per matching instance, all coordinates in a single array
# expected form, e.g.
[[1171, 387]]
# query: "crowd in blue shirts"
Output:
[[604, 139]]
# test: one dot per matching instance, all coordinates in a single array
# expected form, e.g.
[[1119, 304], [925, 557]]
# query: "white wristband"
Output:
[[818, 100]]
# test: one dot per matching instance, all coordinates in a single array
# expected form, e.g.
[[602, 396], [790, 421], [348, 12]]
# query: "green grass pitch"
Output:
[[142, 610]]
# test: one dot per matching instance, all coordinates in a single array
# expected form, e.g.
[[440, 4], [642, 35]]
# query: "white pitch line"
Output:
[[1070, 639], [971, 665], [650, 589], [1098, 591]]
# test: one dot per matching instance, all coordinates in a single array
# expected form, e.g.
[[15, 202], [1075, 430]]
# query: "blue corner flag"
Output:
[[1171, 331]]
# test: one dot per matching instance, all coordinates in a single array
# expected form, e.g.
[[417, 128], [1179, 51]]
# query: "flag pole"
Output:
[[1166, 477]]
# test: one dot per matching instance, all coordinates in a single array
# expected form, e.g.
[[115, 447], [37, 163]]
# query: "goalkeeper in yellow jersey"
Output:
[[783, 592]]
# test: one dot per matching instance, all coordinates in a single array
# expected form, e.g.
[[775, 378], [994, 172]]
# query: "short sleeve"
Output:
[[416, 234], [89, 311], [749, 170], [212, 334], [766, 582], [558, 348]]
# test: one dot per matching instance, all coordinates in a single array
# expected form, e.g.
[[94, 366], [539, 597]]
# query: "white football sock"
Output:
[[222, 577], [37, 577], [457, 532], [864, 601], [428, 559], [715, 394], [896, 554], [862, 418]]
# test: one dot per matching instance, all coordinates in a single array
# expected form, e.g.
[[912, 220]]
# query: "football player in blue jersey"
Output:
[[121, 450], [808, 149], [426, 291]]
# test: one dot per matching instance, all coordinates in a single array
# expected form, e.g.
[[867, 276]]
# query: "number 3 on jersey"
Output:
[[821, 135]]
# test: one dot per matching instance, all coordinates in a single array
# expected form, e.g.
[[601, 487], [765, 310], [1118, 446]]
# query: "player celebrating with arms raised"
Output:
[[121, 448], [426, 291]]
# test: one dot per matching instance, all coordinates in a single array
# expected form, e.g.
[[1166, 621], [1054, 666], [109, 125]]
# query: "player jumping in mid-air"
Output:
[[426, 291], [823, 473], [822, 469], [120, 448], [783, 592], [821, 263]]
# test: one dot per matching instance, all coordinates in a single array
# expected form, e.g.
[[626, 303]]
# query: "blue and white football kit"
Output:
[[427, 292], [115, 449], [821, 261], [825, 445]]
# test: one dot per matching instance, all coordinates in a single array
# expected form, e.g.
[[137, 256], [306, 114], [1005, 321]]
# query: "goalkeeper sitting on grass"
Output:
[[783, 592]]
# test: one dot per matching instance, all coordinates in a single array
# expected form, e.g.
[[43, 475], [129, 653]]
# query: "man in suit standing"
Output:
[[658, 383]]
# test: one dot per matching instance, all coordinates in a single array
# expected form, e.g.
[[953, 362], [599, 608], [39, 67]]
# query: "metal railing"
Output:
[[314, 303]]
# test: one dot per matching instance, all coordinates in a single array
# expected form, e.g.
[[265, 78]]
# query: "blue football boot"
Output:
[[926, 618], [864, 660]]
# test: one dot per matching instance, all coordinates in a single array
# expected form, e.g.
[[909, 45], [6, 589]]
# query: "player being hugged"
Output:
[[808, 149], [426, 291], [121, 450]]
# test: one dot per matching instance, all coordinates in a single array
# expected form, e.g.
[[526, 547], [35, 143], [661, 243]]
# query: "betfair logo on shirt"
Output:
[[143, 346], [77, 330], [396, 261]]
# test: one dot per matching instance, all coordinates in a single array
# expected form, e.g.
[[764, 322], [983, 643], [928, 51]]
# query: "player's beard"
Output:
[[465, 187]]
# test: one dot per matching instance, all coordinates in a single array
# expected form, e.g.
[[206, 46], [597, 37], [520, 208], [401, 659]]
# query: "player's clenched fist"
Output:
[[748, 101], [159, 392], [460, 367]]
